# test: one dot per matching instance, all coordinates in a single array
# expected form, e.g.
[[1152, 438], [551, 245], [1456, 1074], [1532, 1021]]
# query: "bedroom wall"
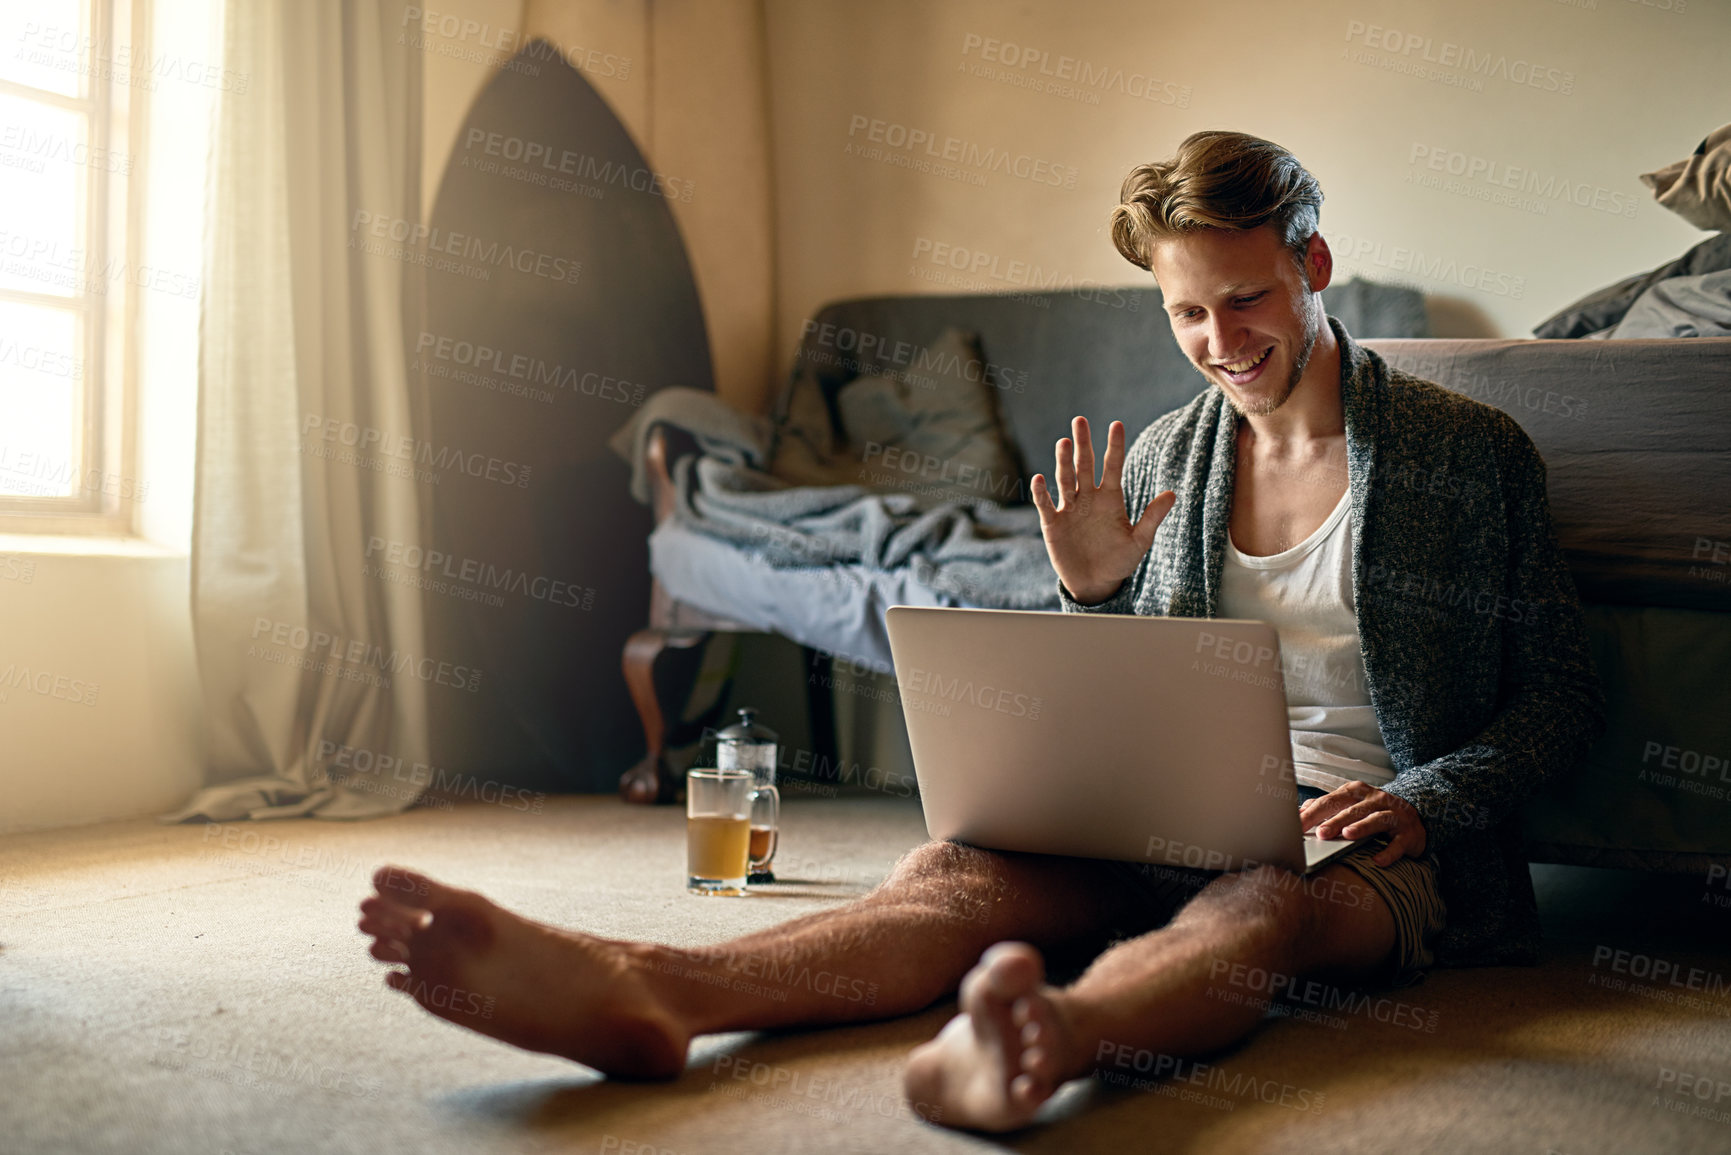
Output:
[[687, 77], [463, 43], [1582, 94]]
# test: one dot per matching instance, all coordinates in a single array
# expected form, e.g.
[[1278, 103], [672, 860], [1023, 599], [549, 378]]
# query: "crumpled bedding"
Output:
[[980, 553], [1600, 311], [718, 428], [1680, 307], [819, 547]]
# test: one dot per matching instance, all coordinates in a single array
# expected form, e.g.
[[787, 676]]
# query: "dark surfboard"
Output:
[[558, 297]]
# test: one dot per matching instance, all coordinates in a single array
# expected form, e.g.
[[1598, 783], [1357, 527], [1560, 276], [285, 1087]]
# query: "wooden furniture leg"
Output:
[[660, 668], [663, 662]]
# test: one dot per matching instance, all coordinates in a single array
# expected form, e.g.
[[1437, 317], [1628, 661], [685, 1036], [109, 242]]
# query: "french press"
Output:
[[748, 745]]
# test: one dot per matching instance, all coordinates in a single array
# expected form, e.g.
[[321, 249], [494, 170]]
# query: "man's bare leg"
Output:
[[631, 1009], [1017, 1038]]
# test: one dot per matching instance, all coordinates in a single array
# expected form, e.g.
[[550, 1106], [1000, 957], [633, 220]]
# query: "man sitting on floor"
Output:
[[1398, 537]]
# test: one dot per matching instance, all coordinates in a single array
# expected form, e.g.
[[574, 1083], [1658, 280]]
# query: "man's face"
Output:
[[1241, 310]]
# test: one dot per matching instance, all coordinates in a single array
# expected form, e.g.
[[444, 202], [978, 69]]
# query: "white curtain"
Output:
[[313, 665]]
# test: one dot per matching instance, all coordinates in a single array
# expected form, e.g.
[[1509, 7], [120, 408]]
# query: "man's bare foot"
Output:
[[992, 1066], [480, 966]]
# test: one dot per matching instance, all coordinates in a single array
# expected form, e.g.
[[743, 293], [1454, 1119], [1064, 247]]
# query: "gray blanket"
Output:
[[980, 553], [718, 427], [1681, 307]]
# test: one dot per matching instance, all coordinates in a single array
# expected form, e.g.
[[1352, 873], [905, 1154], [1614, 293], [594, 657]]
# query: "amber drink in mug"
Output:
[[717, 831], [765, 821]]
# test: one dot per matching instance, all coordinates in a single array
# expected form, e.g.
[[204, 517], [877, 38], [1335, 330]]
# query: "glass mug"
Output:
[[765, 830], [748, 745], [718, 808]]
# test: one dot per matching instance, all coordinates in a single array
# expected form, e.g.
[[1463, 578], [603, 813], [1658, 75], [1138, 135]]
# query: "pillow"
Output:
[[931, 430], [1606, 307], [1698, 188]]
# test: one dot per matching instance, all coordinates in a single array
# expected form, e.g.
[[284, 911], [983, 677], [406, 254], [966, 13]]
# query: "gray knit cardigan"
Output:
[[1475, 651]]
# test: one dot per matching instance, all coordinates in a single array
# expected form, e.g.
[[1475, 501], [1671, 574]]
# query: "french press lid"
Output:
[[746, 745], [748, 731]]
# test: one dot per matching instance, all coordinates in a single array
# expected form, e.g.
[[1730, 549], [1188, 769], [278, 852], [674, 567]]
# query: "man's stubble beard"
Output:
[[1312, 331]]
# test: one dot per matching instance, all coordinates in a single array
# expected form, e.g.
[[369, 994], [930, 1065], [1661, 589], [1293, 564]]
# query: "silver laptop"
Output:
[[1158, 740]]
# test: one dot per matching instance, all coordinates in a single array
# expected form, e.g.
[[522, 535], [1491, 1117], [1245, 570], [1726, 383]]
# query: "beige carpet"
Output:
[[203, 989]]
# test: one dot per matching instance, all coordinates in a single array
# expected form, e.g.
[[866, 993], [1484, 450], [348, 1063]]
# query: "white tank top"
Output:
[[1305, 593]]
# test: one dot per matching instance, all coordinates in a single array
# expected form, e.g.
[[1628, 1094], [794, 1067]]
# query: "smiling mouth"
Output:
[[1245, 366]]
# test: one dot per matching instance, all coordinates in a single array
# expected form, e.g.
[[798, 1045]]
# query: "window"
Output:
[[71, 96]]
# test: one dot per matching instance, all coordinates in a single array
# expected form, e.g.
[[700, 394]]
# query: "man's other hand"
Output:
[[1088, 533], [1360, 810]]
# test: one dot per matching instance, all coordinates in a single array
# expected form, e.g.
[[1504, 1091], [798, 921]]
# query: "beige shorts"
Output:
[[1408, 886]]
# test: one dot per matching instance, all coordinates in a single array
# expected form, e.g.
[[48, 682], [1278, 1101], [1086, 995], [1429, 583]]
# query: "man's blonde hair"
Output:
[[1217, 180]]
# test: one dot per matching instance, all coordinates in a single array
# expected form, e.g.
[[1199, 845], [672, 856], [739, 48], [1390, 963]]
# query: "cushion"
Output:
[[1698, 187], [931, 429]]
